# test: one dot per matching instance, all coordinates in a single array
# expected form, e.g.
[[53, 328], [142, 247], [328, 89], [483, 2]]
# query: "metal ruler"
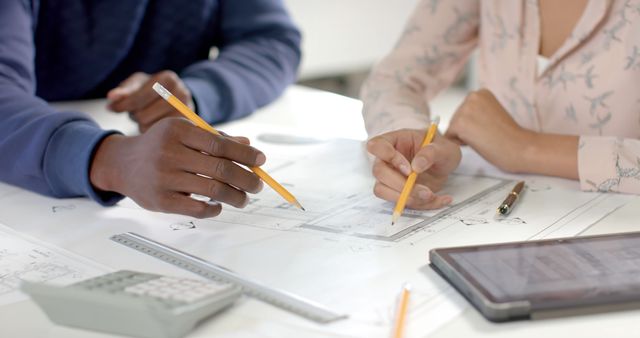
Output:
[[281, 299]]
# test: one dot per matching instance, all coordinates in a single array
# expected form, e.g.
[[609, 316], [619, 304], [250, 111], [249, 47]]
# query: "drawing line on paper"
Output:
[[182, 226], [569, 216], [61, 208], [426, 221]]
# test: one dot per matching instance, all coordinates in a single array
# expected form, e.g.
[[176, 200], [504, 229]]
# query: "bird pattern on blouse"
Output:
[[589, 89]]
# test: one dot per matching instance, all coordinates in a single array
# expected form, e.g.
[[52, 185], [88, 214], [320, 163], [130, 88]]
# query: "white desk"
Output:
[[311, 113]]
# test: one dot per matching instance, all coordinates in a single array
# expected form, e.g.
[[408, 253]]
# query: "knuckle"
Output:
[[168, 75], [221, 169], [179, 125], [215, 189], [167, 127], [173, 128], [216, 146]]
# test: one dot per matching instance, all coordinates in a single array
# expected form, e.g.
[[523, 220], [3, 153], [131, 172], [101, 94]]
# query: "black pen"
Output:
[[507, 205]]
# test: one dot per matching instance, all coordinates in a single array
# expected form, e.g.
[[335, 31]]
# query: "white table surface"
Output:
[[320, 114]]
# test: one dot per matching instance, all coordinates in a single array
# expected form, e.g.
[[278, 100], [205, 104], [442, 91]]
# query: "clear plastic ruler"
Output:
[[279, 298]]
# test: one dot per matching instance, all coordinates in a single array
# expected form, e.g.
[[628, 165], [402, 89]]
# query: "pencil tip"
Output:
[[394, 218], [297, 204]]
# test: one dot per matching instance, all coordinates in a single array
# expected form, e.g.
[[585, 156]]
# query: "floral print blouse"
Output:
[[590, 88]]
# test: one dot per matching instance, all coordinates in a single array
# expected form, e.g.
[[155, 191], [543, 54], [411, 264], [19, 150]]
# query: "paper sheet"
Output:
[[26, 259], [342, 252]]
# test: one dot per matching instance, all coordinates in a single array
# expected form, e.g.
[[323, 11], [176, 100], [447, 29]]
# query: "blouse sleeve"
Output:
[[431, 52], [609, 164]]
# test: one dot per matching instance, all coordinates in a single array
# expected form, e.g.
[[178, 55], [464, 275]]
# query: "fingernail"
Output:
[[405, 169], [447, 200], [419, 164], [261, 159]]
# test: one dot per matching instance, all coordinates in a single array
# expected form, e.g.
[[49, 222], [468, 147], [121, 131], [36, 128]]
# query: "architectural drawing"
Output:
[[27, 259], [343, 249], [342, 252]]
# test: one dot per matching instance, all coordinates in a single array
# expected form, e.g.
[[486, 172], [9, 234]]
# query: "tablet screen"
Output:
[[583, 270]]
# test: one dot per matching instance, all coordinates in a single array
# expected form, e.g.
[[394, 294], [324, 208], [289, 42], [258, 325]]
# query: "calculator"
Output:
[[134, 303]]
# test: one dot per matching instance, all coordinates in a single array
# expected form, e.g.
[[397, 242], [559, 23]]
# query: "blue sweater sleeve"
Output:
[[259, 54], [41, 149]]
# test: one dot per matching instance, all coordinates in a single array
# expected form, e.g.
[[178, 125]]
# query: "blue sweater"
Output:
[[75, 49]]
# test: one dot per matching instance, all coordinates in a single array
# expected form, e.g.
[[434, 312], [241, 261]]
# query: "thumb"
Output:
[[424, 159]]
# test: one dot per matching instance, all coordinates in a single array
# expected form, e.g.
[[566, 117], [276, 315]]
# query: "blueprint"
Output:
[[342, 252], [27, 259]]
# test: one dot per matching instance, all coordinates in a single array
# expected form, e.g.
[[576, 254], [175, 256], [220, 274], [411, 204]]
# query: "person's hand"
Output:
[[398, 152], [136, 96], [173, 159], [482, 123]]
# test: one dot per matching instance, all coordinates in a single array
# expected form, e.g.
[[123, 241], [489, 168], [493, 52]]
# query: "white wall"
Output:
[[345, 36]]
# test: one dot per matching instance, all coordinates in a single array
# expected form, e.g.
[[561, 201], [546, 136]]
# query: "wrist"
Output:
[[529, 149], [103, 172], [550, 154]]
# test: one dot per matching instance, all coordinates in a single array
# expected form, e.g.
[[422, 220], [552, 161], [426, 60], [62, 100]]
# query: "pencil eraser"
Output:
[[161, 91]]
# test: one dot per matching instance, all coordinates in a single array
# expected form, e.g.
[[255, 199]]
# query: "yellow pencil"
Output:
[[193, 117], [401, 312], [411, 180]]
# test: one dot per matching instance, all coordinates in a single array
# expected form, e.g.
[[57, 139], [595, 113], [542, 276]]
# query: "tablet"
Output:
[[545, 278]]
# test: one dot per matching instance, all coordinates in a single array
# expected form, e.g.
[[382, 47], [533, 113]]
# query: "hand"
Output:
[[399, 152], [136, 96], [482, 123], [162, 167]]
